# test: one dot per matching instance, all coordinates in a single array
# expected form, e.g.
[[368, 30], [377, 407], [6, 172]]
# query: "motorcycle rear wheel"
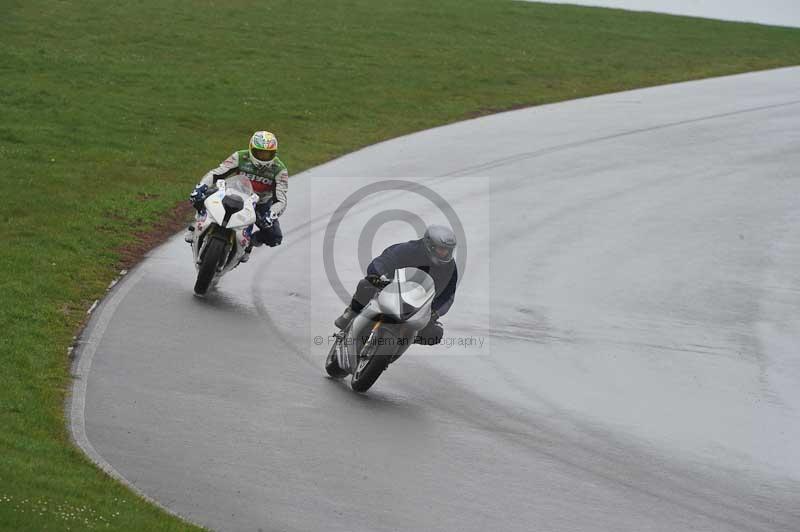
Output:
[[332, 364]]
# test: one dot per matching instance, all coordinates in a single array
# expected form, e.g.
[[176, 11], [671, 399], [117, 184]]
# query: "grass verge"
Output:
[[110, 111]]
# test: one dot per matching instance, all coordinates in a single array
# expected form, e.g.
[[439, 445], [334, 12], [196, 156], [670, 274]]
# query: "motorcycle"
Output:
[[222, 230], [384, 329]]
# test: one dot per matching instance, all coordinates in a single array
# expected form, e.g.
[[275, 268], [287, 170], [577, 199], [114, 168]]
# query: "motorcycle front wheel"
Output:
[[208, 265], [370, 366]]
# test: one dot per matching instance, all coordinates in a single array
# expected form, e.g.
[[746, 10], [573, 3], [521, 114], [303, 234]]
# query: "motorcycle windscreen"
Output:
[[238, 192], [239, 185], [411, 290]]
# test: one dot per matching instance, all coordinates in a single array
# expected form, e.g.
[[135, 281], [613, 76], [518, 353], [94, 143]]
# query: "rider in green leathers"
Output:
[[269, 178]]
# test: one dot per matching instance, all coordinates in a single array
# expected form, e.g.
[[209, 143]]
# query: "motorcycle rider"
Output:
[[269, 178], [433, 254]]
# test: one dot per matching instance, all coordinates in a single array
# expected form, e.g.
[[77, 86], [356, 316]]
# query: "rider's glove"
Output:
[[266, 219], [198, 196], [379, 281]]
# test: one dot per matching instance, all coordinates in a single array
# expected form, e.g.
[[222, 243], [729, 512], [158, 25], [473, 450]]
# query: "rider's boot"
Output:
[[246, 255], [188, 236], [344, 320]]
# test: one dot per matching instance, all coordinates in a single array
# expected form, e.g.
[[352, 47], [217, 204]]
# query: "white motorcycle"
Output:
[[384, 329], [222, 231]]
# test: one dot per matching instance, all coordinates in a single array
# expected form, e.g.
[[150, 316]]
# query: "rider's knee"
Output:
[[364, 292]]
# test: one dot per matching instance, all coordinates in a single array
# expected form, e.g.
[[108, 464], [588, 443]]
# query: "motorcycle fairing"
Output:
[[237, 224], [401, 310]]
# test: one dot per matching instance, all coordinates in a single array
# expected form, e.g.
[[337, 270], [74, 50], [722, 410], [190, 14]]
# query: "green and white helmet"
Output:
[[263, 148]]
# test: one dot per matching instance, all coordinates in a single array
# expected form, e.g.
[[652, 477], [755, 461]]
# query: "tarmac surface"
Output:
[[769, 12], [621, 355]]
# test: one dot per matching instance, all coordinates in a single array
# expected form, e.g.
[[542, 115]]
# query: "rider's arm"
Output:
[[279, 195], [444, 300], [394, 257], [227, 168]]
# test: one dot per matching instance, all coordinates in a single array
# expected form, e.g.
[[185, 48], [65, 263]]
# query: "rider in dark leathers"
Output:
[[433, 254]]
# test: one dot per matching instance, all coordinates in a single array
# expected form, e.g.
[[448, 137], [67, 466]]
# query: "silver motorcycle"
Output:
[[384, 329]]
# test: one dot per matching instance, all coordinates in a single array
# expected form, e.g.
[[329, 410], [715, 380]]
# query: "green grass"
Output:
[[110, 112]]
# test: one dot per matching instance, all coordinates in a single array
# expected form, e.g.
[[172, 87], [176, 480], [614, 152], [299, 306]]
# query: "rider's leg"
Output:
[[269, 235], [364, 292], [272, 235]]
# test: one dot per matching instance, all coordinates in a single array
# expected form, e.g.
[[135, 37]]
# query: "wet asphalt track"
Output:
[[639, 256], [772, 12]]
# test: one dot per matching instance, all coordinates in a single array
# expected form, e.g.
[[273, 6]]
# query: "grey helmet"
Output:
[[440, 243]]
